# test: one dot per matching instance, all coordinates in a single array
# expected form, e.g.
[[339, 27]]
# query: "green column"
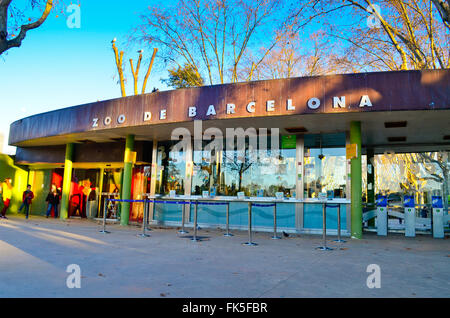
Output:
[[370, 183], [66, 182], [356, 182], [126, 182]]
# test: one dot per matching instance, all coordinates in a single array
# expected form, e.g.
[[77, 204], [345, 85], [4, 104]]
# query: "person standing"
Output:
[[92, 205], [6, 194], [52, 201], [75, 200], [27, 197], [81, 191]]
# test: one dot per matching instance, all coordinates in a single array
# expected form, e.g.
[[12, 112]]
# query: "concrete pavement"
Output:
[[34, 255]]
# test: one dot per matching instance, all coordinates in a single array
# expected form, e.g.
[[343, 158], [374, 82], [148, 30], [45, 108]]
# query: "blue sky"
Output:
[[59, 67]]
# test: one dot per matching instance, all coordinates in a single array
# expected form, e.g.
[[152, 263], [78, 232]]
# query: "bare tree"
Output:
[[10, 18], [215, 37], [444, 10], [134, 72], [291, 57], [119, 65], [239, 162], [441, 161], [149, 69], [406, 34]]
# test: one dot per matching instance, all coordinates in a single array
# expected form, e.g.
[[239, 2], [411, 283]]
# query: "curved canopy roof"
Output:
[[317, 104]]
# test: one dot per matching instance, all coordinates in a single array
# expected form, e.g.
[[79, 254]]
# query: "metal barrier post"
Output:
[[324, 228], [147, 219], [194, 238], [250, 243], [153, 210], [275, 237], [228, 221], [339, 225], [183, 231], [144, 221], [105, 207]]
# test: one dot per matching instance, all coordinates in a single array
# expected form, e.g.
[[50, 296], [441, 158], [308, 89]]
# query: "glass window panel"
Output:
[[171, 169], [233, 171], [420, 174], [207, 172], [325, 171]]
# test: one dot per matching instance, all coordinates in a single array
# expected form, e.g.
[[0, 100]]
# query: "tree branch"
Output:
[[17, 41], [155, 50]]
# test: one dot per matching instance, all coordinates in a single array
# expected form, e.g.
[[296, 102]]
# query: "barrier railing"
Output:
[[250, 242], [324, 247], [104, 218], [274, 219], [338, 206], [145, 220], [197, 202], [107, 197], [228, 234], [252, 202]]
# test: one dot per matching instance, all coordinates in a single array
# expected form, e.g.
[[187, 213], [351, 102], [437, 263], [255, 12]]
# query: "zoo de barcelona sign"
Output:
[[313, 103]]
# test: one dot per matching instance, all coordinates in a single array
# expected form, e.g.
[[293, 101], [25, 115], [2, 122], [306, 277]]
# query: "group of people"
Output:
[[83, 194], [53, 199]]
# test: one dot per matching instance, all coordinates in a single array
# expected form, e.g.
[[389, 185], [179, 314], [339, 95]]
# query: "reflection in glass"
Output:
[[256, 173], [325, 172], [171, 169], [419, 174]]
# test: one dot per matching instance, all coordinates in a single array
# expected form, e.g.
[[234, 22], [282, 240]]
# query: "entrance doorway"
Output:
[[83, 198]]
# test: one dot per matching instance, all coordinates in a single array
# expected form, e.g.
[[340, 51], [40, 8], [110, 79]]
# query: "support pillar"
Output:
[[99, 191], [299, 183], [154, 175], [126, 181], [371, 182], [188, 178], [356, 181], [66, 181]]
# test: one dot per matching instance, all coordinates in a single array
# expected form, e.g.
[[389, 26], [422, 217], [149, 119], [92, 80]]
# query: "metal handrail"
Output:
[[247, 199], [263, 202]]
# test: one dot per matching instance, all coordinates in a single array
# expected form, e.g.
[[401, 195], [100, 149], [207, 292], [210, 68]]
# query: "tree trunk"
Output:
[[240, 181], [445, 194]]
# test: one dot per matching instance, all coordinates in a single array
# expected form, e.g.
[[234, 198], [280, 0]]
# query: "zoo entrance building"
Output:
[[326, 129]]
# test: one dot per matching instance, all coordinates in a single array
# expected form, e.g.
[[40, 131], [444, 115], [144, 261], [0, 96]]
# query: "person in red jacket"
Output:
[[27, 198]]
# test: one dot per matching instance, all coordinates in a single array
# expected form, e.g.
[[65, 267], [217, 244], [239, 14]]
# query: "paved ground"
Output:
[[34, 255]]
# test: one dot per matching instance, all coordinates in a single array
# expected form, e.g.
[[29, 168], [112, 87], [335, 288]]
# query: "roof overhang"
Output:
[[421, 98]]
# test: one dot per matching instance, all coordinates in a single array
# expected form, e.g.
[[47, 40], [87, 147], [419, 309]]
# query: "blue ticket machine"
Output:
[[382, 215], [438, 217], [410, 216]]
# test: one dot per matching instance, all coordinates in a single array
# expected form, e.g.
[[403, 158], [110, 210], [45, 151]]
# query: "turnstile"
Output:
[[382, 215], [438, 217], [410, 216]]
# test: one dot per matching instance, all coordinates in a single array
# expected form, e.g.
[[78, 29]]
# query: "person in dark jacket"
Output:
[[52, 201], [27, 197]]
